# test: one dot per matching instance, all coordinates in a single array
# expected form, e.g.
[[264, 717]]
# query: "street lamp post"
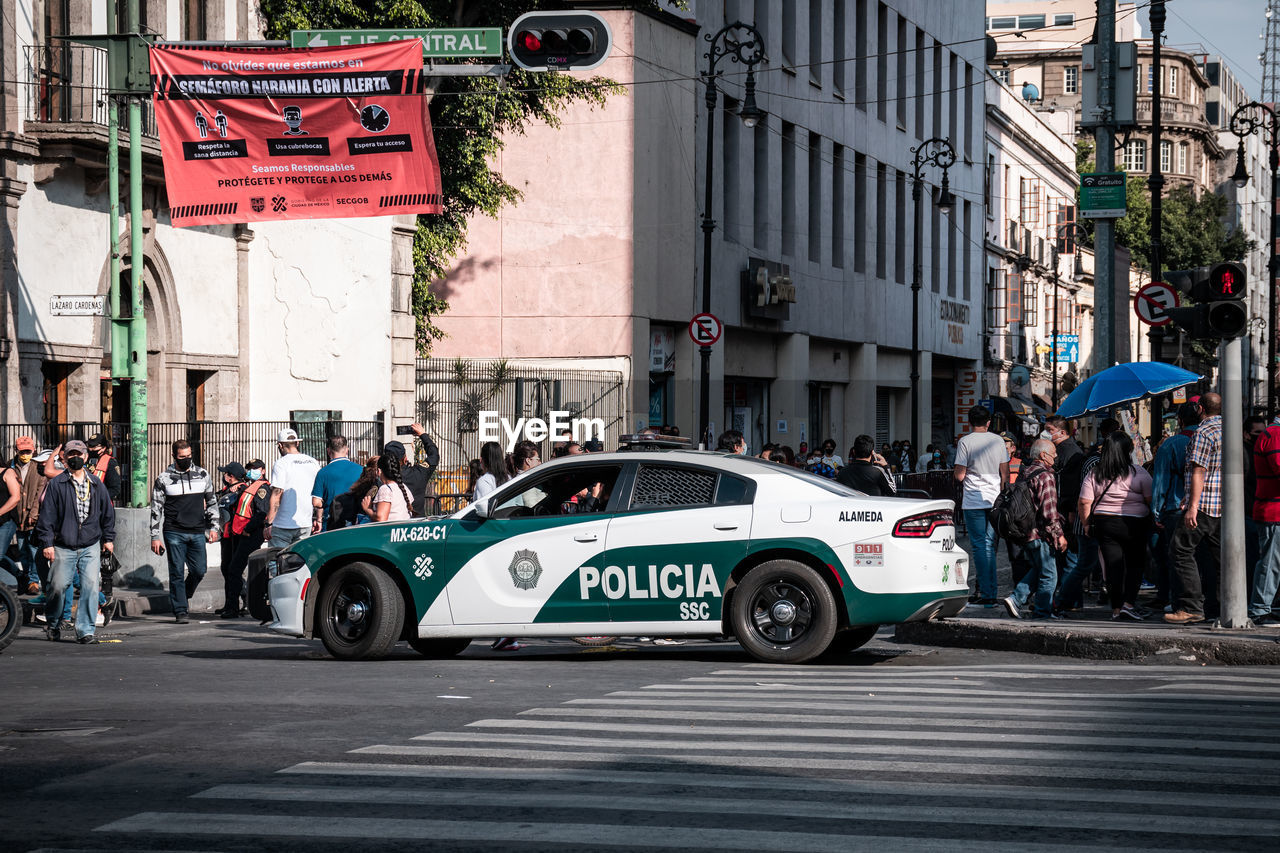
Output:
[[739, 43], [1247, 120], [1053, 355], [937, 152]]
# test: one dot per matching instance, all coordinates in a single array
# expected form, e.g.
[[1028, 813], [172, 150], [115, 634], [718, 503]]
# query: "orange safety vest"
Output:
[[244, 507]]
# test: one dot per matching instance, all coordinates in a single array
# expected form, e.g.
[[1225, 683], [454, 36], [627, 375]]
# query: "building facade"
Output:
[[243, 323], [818, 195]]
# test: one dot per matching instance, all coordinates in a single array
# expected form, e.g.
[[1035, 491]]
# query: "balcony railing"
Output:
[[1172, 111], [68, 83]]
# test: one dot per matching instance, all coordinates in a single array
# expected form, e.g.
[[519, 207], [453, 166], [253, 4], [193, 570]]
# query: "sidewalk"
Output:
[[1090, 633]]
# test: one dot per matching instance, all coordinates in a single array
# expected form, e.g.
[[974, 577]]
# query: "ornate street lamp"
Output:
[[1247, 120], [932, 152], [739, 43]]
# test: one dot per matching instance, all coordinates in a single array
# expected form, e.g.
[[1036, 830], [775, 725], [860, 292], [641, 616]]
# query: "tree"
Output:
[[469, 116]]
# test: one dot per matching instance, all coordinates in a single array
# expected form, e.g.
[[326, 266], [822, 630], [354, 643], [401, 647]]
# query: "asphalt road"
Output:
[[218, 736]]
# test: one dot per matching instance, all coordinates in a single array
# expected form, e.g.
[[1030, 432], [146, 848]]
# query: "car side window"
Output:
[[671, 486], [569, 490], [733, 490]]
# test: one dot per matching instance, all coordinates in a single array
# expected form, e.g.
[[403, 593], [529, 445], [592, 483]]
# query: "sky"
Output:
[[1226, 27]]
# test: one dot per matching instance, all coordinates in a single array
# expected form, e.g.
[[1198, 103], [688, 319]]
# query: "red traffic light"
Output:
[[1227, 281], [559, 41], [530, 40]]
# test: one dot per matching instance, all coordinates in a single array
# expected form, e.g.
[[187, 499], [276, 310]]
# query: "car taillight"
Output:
[[922, 526]]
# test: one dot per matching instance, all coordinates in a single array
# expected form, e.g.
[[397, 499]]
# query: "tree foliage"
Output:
[[469, 117], [1193, 230]]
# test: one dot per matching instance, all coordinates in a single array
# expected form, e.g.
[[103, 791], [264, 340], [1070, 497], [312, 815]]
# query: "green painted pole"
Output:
[[119, 328], [138, 324]]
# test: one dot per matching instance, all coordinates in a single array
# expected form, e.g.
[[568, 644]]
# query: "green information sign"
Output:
[[436, 44], [1102, 195]]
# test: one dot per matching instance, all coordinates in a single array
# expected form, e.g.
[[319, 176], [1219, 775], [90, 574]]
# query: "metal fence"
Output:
[[452, 394], [213, 443]]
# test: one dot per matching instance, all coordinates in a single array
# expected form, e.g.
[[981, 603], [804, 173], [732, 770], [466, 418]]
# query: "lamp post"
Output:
[[937, 152], [739, 43], [1053, 355], [1247, 120]]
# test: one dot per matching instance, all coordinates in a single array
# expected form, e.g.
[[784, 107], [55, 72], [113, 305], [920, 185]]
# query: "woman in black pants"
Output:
[[1115, 509]]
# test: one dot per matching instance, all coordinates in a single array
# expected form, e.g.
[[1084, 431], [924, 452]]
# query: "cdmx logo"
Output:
[[258, 203], [278, 204]]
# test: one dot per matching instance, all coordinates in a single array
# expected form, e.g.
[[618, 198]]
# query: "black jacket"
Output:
[[1068, 468], [60, 526], [416, 477], [867, 478]]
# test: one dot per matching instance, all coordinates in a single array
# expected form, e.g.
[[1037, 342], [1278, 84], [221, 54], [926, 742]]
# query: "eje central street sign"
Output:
[[455, 43], [1102, 195]]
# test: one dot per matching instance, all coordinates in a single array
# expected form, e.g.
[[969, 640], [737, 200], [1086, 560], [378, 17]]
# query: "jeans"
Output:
[[1188, 591], [1164, 553], [9, 571], [283, 537], [982, 539], [185, 551], [66, 562], [1044, 575], [1266, 580], [1080, 563]]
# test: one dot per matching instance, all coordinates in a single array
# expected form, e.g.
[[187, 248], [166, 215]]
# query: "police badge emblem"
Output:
[[525, 570]]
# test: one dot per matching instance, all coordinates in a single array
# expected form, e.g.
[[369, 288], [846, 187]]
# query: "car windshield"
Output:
[[836, 488]]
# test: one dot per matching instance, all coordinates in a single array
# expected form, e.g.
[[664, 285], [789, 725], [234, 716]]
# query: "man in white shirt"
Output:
[[292, 479], [982, 470]]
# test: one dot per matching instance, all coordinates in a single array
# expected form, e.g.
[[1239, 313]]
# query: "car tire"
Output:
[[446, 647], [595, 641], [10, 616], [851, 638], [783, 612], [360, 613]]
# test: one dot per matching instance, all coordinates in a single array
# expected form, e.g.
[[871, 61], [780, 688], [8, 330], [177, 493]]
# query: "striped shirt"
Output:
[[1206, 451]]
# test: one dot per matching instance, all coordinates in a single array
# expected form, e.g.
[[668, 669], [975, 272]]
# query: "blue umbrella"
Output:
[[1124, 383]]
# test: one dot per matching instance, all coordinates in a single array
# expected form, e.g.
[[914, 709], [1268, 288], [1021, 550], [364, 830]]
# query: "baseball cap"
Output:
[[25, 442], [235, 469], [286, 435], [74, 445], [395, 448], [42, 456], [97, 440], [1008, 436]]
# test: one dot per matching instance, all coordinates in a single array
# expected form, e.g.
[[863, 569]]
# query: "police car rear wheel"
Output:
[[852, 638], [439, 648], [783, 612], [361, 613]]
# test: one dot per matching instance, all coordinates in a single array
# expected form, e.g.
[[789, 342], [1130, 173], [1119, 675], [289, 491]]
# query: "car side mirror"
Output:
[[482, 507]]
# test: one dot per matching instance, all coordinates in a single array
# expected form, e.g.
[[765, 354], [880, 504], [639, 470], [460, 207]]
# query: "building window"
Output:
[[733, 129], [1173, 81], [967, 237], [1068, 20], [988, 188], [194, 22], [996, 318], [860, 55], [838, 52], [816, 36], [901, 87], [788, 189], [761, 208], [882, 61], [1071, 79], [837, 206], [1013, 298], [815, 198], [882, 231], [789, 34], [1029, 200], [1151, 72], [920, 84], [1135, 155], [1183, 150], [1031, 22], [859, 212], [1002, 74], [900, 226], [1003, 22], [1166, 155]]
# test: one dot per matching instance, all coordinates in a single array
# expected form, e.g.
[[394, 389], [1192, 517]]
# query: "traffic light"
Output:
[[559, 41], [1219, 293]]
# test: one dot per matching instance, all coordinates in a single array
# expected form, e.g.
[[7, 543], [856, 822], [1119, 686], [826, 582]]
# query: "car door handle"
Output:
[[585, 537], [725, 525]]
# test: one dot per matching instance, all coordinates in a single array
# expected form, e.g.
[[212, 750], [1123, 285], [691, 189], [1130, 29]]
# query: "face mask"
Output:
[[182, 464], [253, 474], [24, 458], [75, 463], [937, 456]]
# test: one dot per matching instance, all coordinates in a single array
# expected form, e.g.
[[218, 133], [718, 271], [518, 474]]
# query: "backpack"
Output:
[[1013, 515]]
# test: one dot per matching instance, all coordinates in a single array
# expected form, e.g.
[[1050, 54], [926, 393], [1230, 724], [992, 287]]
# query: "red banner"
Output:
[[249, 135]]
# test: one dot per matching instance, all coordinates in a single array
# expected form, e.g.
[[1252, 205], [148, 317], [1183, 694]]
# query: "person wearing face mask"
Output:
[[10, 494], [184, 515], [31, 485], [248, 517], [76, 524], [104, 465]]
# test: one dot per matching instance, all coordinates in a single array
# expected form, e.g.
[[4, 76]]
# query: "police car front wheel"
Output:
[[783, 612], [361, 612]]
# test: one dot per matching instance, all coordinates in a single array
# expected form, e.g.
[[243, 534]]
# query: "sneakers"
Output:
[[66, 625], [180, 618], [33, 588], [229, 614], [506, 644], [87, 640], [1182, 617], [52, 634], [99, 620], [1011, 606], [1127, 613]]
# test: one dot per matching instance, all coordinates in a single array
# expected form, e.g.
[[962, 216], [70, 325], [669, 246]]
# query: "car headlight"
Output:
[[284, 563]]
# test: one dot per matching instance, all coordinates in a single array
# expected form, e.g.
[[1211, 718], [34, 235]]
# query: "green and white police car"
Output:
[[657, 543]]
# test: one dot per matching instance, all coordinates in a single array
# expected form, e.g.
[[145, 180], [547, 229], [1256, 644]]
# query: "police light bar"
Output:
[[648, 441]]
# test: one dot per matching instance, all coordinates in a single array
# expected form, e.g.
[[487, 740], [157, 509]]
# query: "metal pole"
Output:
[[1233, 595], [708, 225], [119, 328], [915, 309], [1273, 268], [138, 324], [1104, 278], [1156, 183], [1053, 353]]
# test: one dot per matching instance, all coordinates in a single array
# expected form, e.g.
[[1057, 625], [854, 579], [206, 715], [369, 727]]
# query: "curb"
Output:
[[1076, 643]]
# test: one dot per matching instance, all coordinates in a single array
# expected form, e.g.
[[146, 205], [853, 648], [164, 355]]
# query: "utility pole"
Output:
[[1104, 279], [138, 322], [1233, 596], [1156, 183]]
